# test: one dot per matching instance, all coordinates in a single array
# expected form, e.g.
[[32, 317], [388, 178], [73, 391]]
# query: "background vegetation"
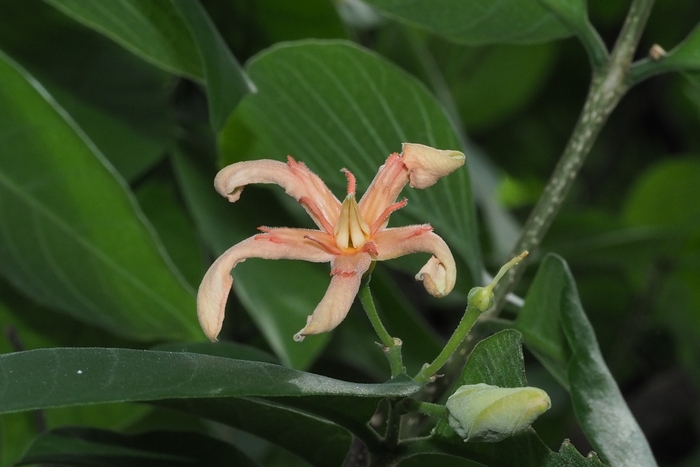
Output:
[[113, 122]]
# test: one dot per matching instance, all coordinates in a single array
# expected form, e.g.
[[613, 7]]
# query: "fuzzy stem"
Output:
[[428, 371], [608, 86], [390, 345]]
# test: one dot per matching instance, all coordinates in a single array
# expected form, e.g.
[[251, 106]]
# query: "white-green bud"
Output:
[[481, 412]]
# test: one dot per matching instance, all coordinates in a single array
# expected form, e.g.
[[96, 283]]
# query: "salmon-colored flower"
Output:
[[350, 235]]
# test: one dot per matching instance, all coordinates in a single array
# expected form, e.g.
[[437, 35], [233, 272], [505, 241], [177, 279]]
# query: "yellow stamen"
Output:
[[351, 230]]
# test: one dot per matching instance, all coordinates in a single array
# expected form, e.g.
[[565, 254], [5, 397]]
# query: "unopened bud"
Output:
[[481, 298], [481, 412]]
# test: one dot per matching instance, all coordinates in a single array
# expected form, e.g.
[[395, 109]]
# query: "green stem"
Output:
[[427, 408], [428, 371], [390, 345], [608, 86]]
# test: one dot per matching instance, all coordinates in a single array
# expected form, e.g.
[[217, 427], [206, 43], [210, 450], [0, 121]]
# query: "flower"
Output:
[[350, 235]]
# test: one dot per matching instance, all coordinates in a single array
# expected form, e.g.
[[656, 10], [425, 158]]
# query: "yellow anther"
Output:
[[351, 230]]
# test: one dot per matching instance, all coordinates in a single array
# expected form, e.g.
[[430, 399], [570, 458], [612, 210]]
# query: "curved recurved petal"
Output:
[[297, 180], [279, 243], [331, 311], [439, 273]]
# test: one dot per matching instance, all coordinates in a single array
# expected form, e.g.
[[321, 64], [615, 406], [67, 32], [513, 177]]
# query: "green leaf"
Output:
[[66, 376], [539, 321], [332, 104], [71, 236], [92, 447], [498, 360], [478, 22], [684, 57], [284, 426], [120, 101], [663, 196], [222, 225], [176, 35], [154, 30], [226, 81], [162, 205], [598, 403], [219, 349], [26, 325], [573, 14]]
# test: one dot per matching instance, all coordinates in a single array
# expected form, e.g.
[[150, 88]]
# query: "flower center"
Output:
[[351, 231]]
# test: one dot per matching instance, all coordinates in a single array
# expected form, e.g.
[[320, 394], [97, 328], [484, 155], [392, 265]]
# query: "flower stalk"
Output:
[[480, 299], [390, 345]]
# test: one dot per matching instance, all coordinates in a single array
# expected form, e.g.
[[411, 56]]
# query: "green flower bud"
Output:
[[481, 298], [481, 412]]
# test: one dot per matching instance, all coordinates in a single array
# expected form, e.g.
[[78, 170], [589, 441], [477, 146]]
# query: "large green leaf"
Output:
[[278, 315], [598, 403], [30, 326], [92, 447], [72, 237], [479, 21], [120, 101], [332, 104], [226, 82], [176, 35], [67, 376], [151, 29]]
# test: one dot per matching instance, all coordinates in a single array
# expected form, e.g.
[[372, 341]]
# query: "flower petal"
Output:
[[417, 163], [439, 273], [279, 243], [296, 179], [384, 189], [426, 165], [347, 273]]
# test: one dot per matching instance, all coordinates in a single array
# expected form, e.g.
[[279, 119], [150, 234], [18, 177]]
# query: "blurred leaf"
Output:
[[286, 427], [298, 286], [599, 406], [353, 109], [72, 237], [176, 35], [154, 30], [65, 376], [489, 84], [101, 448], [478, 22], [282, 21], [226, 81], [120, 101], [663, 196], [161, 203], [498, 360]]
